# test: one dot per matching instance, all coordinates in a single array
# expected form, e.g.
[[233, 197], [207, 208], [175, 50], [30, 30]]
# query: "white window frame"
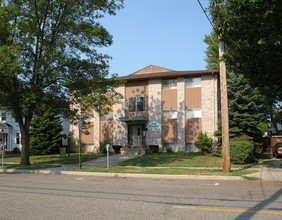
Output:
[[193, 113], [3, 116], [170, 114], [193, 82], [107, 117], [171, 84], [18, 138]]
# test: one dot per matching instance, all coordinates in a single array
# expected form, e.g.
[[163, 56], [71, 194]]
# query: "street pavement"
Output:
[[273, 173], [59, 197]]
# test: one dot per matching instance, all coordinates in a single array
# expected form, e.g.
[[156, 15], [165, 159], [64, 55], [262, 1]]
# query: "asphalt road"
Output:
[[32, 196]]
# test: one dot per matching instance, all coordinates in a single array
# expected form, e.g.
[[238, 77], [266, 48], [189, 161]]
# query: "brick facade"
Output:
[[146, 84]]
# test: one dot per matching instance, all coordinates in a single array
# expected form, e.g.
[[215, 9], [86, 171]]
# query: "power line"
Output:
[[205, 13]]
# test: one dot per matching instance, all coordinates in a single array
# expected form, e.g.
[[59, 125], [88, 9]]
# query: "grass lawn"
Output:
[[30, 167], [179, 160], [53, 159], [169, 171]]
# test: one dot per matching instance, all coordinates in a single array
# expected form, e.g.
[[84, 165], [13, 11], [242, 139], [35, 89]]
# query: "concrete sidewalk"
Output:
[[264, 173]]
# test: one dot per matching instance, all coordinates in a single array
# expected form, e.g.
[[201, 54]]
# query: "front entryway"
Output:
[[135, 135]]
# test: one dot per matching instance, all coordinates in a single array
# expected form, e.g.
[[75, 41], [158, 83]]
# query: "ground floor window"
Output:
[[191, 147], [18, 138], [169, 114], [193, 113]]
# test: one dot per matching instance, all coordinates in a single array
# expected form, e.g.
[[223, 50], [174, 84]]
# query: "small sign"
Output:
[[79, 124], [63, 152], [154, 126]]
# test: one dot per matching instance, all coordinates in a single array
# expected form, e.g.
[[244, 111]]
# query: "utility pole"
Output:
[[224, 109], [224, 105]]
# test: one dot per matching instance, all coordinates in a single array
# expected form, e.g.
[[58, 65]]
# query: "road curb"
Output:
[[124, 175]]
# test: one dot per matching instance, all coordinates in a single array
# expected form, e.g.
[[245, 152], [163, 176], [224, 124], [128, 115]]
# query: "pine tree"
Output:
[[246, 110], [45, 132]]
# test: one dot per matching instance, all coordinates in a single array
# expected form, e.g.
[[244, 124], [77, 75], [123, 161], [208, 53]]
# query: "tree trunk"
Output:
[[25, 145]]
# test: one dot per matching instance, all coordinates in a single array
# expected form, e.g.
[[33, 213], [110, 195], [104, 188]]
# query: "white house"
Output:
[[10, 135]]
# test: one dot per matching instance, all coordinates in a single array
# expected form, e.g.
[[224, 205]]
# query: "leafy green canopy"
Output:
[[48, 50], [251, 31]]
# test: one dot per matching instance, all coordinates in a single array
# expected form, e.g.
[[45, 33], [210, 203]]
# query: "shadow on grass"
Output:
[[158, 159], [30, 167]]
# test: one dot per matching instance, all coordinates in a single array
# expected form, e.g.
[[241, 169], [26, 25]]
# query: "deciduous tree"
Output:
[[49, 47], [251, 31]]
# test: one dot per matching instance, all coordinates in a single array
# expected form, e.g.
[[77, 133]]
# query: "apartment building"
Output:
[[159, 107]]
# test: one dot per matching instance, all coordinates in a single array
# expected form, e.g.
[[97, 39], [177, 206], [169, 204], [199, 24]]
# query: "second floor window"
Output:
[[193, 113], [169, 114], [193, 82], [169, 84], [3, 116], [136, 104]]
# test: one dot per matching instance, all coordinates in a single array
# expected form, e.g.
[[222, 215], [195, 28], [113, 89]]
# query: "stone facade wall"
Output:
[[119, 128], [209, 104], [154, 111], [181, 113], [96, 128]]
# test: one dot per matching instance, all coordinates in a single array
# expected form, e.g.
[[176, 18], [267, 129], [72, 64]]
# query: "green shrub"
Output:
[[204, 142], [16, 150], [154, 148], [169, 150], [242, 152], [103, 145], [117, 148]]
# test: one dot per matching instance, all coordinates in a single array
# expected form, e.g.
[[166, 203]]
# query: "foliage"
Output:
[[16, 150], [204, 142], [246, 109], [48, 50], [103, 148], [251, 31], [45, 132], [117, 148], [154, 148], [212, 57], [241, 152], [169, 150]]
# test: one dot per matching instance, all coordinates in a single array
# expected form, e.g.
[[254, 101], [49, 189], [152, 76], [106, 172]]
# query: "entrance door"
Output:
[[137, 135]]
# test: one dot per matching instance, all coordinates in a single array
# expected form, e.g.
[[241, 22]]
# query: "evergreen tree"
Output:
[[246, 110], [45, 132]]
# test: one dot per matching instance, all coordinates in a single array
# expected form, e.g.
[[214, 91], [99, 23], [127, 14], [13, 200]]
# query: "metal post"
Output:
[[79, 128], [108, 158], [2, 155]]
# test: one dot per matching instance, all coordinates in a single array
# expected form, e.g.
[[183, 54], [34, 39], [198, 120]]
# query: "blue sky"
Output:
[[166, 33]]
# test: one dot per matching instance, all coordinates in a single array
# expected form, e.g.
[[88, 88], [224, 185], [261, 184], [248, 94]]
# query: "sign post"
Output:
[[79, 129], [108, 158], [2, 146]]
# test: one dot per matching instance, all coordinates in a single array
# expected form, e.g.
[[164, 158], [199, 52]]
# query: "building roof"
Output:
[[155, 72]]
